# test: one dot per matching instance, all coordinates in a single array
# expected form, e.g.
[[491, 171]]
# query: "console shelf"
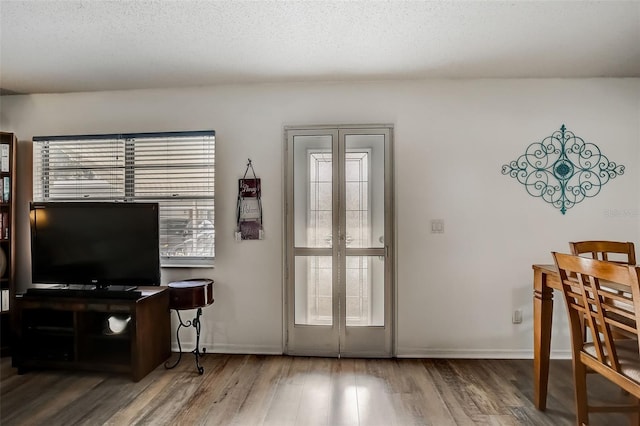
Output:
[[72, 333]]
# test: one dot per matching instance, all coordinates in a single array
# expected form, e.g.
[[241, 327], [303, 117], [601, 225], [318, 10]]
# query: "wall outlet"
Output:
[[517, 316]]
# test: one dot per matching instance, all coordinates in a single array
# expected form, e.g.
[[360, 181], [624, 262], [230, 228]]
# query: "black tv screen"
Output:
[[95, 243]]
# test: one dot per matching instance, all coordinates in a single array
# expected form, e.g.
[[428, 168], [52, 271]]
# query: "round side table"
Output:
[[190, 294]]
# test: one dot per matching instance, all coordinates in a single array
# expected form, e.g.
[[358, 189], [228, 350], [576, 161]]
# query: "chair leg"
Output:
[[634, 418], [580, 383]]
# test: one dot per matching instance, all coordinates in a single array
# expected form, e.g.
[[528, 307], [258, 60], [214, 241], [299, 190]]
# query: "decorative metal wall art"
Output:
[[563, 169]]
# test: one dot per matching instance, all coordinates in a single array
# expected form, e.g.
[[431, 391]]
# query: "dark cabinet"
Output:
[[110, 335]]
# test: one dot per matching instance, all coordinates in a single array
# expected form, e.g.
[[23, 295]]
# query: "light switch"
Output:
[[437, 226]]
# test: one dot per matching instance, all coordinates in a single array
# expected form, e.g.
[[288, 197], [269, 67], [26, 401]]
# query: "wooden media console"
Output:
[[74, 332]]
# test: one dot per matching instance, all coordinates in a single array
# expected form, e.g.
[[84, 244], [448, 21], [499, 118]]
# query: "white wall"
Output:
[[457, 290]]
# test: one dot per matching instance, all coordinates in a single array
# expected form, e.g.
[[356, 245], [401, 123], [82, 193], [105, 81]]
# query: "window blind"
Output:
[[174, 169]]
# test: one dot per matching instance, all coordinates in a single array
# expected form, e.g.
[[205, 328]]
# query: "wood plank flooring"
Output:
[[248, 390]]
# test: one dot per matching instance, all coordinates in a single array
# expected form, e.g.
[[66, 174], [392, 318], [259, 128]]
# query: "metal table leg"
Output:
[[196, 324]]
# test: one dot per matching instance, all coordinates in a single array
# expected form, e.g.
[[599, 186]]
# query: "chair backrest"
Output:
[[592, 294], [612, 251]]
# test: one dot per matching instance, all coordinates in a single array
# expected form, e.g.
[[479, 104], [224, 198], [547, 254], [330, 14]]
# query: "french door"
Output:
[[339, 241]]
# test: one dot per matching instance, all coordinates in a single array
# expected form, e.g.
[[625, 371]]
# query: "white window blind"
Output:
[[174, 169]]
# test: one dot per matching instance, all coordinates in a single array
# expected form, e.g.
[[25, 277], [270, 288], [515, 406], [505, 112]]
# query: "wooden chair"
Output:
[[591, 292], [612, 251]]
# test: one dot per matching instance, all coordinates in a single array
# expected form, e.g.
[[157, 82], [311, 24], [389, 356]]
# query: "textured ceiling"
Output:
[[63, 46]]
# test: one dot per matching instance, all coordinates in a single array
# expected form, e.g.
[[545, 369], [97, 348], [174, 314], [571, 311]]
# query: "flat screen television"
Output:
[[97, 244]]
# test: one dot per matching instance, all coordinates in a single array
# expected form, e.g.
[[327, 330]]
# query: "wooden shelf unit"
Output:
[[8, 148], [70, 333]]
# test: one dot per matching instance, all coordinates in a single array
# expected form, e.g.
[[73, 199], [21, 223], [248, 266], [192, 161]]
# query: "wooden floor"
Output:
[[280, 390]]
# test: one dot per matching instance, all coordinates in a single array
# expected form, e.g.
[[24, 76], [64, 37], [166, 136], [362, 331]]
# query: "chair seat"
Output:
[[628, 356]]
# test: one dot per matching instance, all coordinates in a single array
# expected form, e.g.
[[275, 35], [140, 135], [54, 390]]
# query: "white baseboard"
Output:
[[229, 349], [475, 353], [401, 352]]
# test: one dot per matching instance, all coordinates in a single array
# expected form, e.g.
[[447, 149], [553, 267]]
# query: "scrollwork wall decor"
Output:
[[563, 169]]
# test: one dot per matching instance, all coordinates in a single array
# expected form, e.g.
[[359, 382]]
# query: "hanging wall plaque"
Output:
[[249, 209]]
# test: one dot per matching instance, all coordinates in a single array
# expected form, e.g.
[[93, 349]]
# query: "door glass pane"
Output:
[[364, 191], [365, 291], [313, 290], [312, 187]]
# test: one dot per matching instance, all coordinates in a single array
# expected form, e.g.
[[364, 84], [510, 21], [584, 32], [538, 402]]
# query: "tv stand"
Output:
[[73, 332]]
